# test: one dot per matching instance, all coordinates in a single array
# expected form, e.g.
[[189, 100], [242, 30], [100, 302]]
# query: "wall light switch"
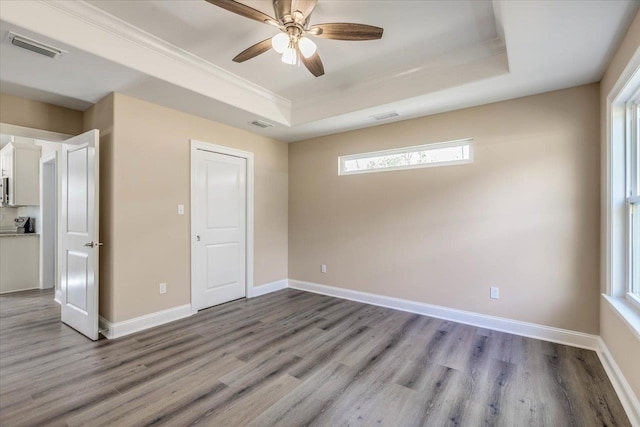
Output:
[[495, 293], [180, 209], [323, 268], [163, 288]]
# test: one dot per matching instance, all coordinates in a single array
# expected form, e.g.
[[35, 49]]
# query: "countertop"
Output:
[[15, 234]]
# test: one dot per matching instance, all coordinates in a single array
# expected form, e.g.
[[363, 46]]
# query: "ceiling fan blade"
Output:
[[242, 10], [346, 31], [304, 6], [282, 8], [253, 51], [313, 63]]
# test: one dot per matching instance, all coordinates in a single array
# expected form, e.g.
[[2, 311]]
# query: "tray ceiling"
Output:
[[434, 56]]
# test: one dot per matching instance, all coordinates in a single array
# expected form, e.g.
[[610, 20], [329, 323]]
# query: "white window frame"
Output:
[[632, 151], [425, 147], [620, 192]]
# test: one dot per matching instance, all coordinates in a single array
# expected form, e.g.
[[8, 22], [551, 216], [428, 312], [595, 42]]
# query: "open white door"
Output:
[[78, 233]]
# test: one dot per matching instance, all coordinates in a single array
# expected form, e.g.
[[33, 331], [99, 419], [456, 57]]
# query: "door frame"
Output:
[[26, 132], [51, 158], [221, 149]]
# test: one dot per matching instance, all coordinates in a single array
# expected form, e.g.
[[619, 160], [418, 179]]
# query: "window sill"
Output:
[[627, 312], [634, 301]]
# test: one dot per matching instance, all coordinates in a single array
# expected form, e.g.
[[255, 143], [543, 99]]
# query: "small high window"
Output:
[[419, 156]]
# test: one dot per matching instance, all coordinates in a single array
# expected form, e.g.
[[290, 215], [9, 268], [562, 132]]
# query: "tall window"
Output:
[[633, 197]]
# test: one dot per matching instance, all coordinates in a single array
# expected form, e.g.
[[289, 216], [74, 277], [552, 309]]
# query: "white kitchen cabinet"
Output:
[[21, 164], [19, 262]]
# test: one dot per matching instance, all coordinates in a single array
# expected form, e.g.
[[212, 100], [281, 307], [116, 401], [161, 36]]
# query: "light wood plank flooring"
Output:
[[292, 359]]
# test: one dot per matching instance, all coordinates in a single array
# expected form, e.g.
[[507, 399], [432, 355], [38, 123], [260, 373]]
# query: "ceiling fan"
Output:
[[292, 19]]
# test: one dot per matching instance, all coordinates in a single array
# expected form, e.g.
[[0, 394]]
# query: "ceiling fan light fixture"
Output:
[[307, 47], [292, 18], [280, 42], [289, 56]]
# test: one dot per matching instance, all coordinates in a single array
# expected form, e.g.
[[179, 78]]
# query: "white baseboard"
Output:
[[562, 336], [120, 329], [267, 288], [17, 290], [620, 384], [547, 333], [532, 330]]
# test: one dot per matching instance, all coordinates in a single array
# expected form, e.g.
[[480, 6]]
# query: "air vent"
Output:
[[34, 46], [261, 124], [385, 116]]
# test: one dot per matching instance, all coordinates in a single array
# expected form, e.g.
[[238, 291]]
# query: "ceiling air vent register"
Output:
[[34, 46], [385, 116], [261, 124]]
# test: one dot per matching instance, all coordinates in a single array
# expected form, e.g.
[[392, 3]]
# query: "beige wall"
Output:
[[524, 216], [149, 176], [615, 332], [100, 116], [38, 115]]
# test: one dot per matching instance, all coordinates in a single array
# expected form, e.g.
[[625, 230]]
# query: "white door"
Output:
[[220, 217], [78, 233]]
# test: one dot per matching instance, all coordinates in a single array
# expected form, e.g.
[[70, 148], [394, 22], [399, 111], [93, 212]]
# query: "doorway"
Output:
[[49, 223], [54, 182], [221, 224]]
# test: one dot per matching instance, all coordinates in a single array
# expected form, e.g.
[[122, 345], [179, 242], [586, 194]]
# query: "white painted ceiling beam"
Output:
[[87, 28]]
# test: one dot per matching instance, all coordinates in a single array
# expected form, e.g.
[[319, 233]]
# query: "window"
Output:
[[420, 156], [622, 196], [633, 197]]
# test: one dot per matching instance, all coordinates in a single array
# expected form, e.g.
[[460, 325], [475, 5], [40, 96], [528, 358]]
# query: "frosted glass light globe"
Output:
[[289, 56], [280, 42], [307, 47]]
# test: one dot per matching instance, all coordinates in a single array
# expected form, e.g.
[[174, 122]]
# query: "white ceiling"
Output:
[[431, 29], [434, 56]]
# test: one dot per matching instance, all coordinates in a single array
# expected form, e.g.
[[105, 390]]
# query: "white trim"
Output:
[[206, 146], [113, 330], [614, 220], [620, 384], [547, 333], [15, 130], [628, 314], [19, 290], [634, 300], [267, 288], [106, 21], [526, 329], [108, 36], [51, 157]]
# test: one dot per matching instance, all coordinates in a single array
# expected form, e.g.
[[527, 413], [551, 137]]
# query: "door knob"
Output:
[[93, 244], [198, 237]]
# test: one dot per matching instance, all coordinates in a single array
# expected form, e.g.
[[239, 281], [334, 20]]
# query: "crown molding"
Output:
[[446, 65], [98, 18]]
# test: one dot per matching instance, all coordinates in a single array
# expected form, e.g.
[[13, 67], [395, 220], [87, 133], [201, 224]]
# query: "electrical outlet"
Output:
[[180, 209], [494, 293], [163, 288], [323, 268]]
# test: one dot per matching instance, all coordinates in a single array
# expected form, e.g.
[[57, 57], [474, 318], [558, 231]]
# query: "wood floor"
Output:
[[292, 359]]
